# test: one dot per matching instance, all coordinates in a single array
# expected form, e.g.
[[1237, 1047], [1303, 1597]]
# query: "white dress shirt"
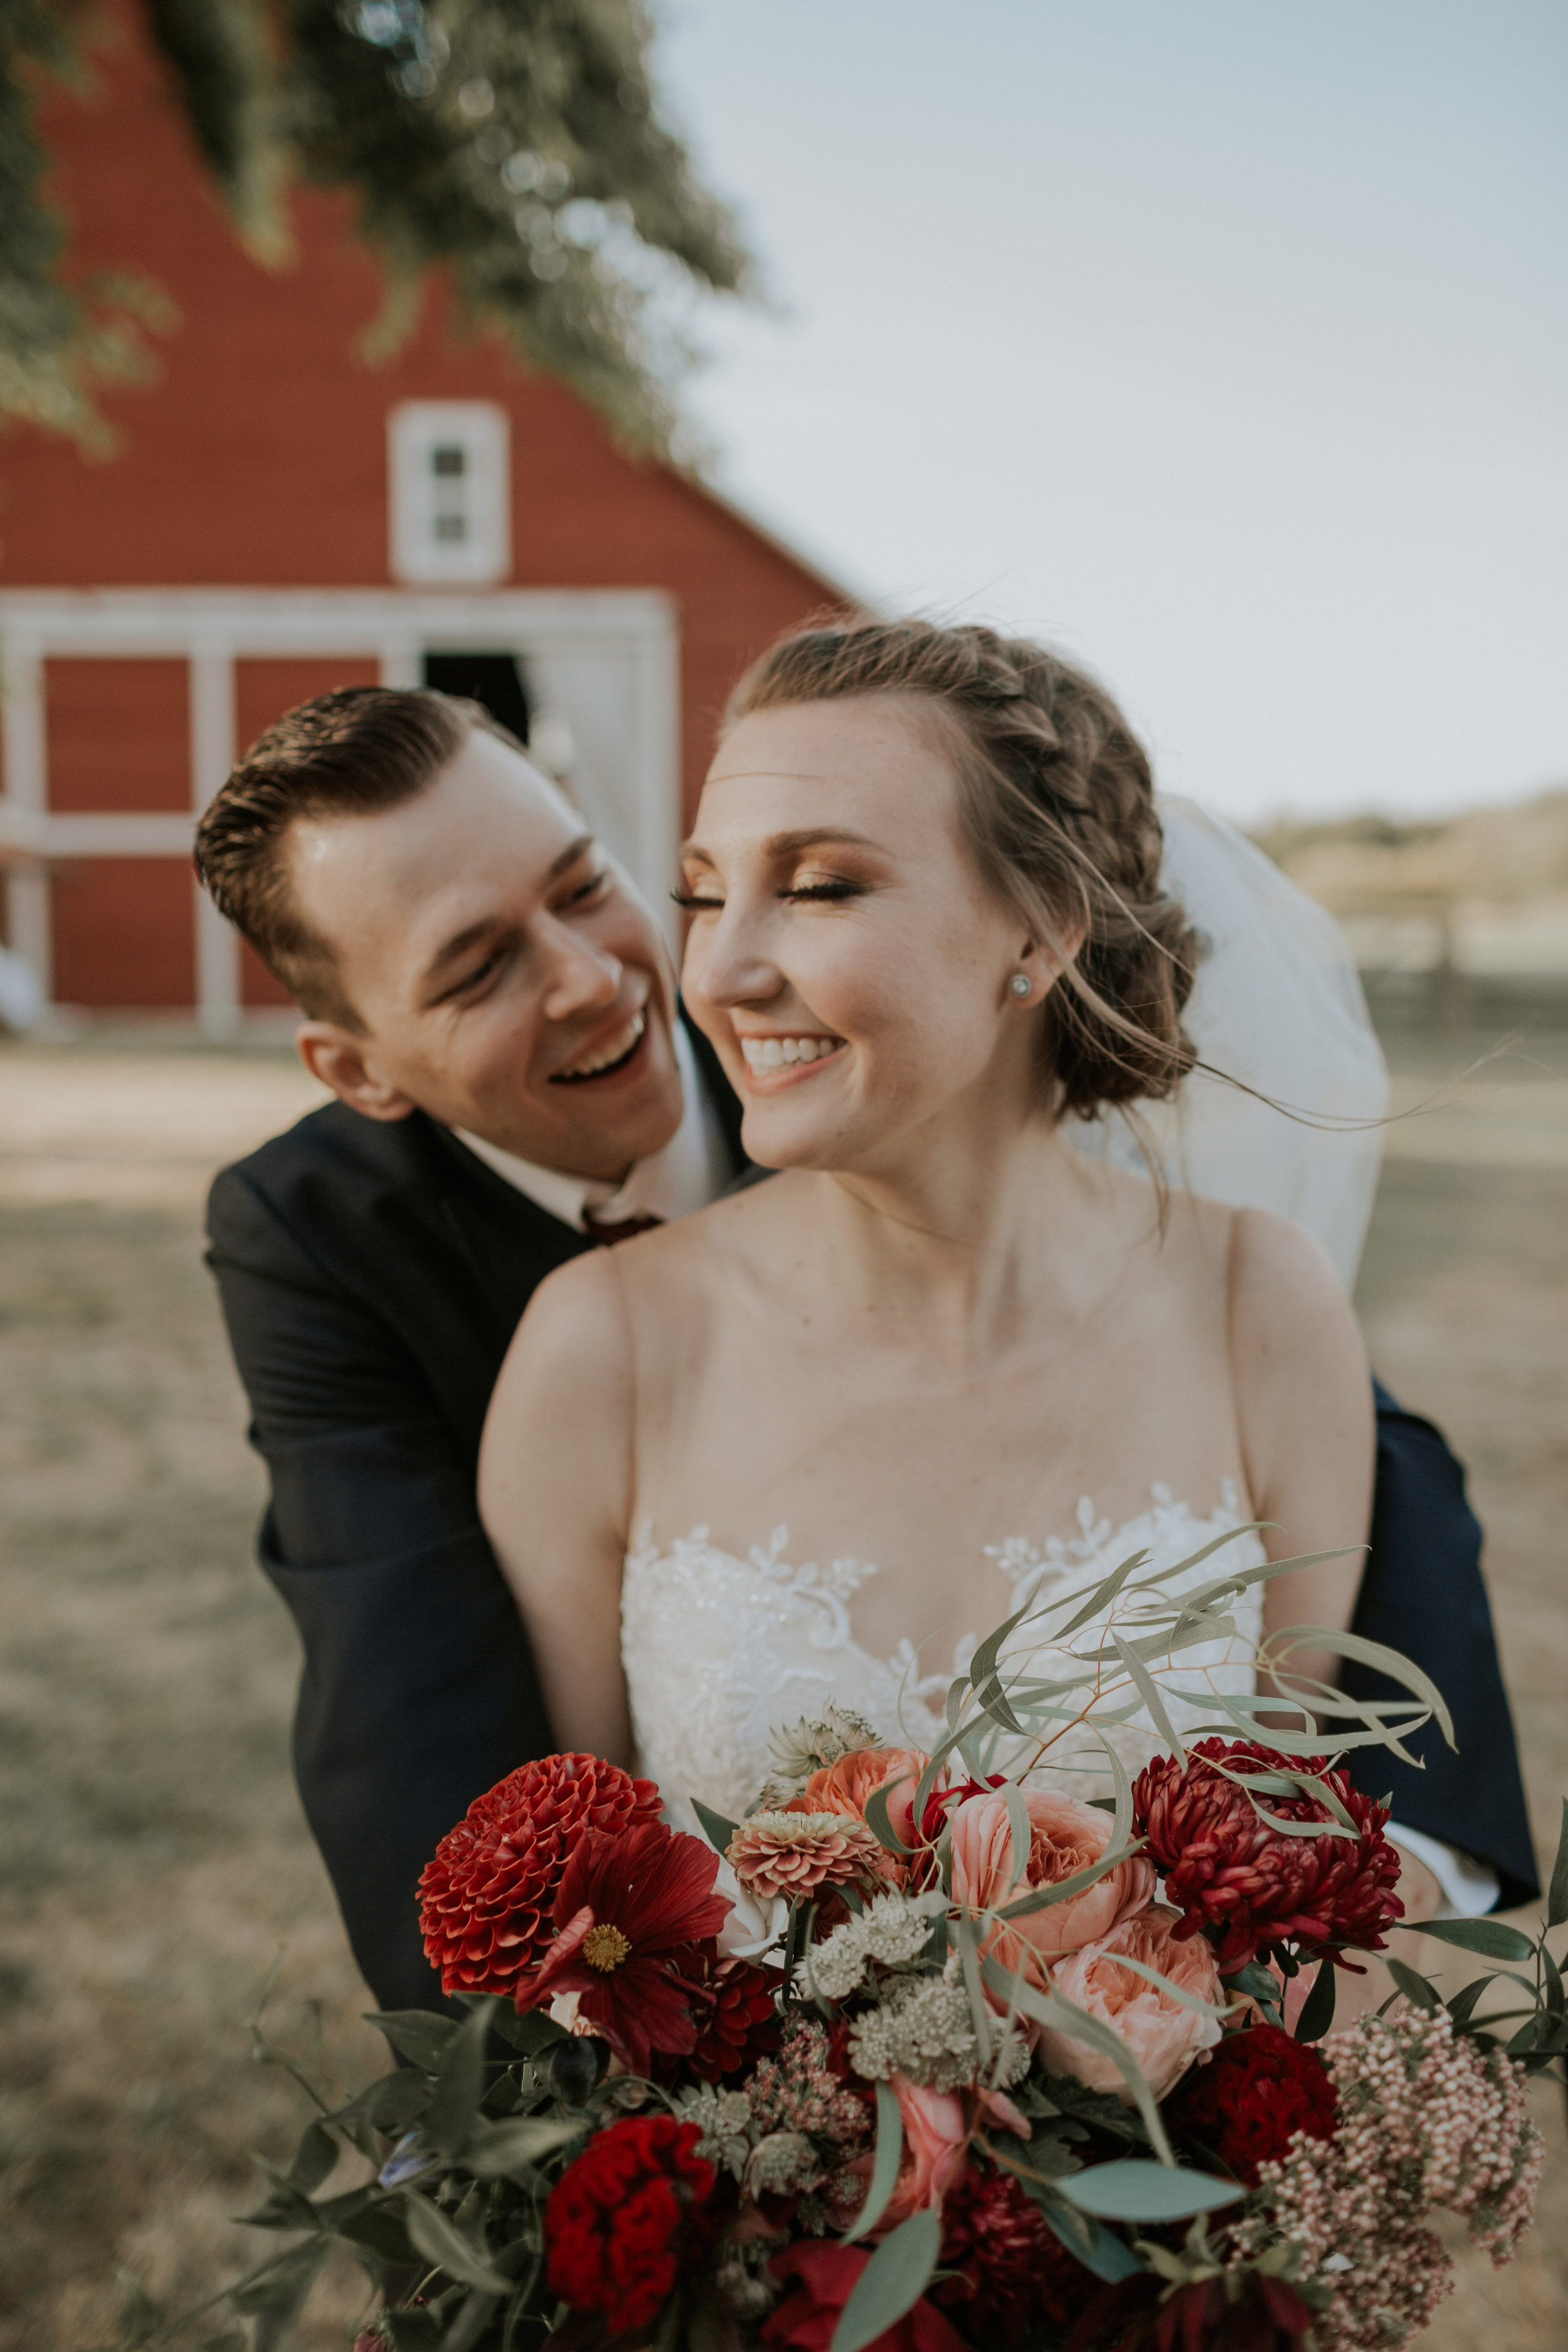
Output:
[[692, 1168]]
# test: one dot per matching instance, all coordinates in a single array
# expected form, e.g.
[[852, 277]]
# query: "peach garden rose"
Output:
[[1162, 2036], [1065, 1837]]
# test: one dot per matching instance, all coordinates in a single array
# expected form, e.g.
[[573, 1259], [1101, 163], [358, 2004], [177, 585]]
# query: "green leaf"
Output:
[[1022, 1829], [459, 2082], [1178, 1993], [893, 2282], [1377, 1654], [470, 2324], [276, 2301], [388, 2105], [417, 2035], [877, 1821], [441, 2242], [718, 1831], [884, 2170], [1414, 1987], [1462, 2006], [1130, 2188], [1557, 1893], [314, 2159], [531, 2031], [1149, 1692], [1318, 2008], [1099, 2249], [969, 1961], [379, 2231], [1043, 1898], [1491, 1938], [412, 2331], [517, 2144]]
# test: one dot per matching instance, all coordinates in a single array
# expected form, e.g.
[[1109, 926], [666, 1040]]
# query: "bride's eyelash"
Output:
[[825, 890], [690, 898]]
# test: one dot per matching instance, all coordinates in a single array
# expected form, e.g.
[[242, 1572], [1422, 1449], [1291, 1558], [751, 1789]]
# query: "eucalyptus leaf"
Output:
[[885, 2168], [1064, 2016], [1099, 2249], [1022, 1829], [1149, 1692], [1377, 1654], [1318, 2008], [1557, 1892], [893, 2282], [877, 1821], [1493, 1938], [1414, 1987], [460, 2082], [442, 2242], [416, 2034], [963, 1929], [719, 1832], [1045, 1898], [474, 2317], [1130, 2188]]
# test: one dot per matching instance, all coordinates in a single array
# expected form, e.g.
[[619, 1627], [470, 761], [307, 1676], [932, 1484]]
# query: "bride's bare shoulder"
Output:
[[572, 1348]]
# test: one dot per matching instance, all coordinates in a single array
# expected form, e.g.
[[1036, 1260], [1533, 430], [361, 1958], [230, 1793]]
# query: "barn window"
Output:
[[449, 475]]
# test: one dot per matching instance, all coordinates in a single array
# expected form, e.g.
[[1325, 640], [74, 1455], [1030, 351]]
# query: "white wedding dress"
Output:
[[720, 1651]]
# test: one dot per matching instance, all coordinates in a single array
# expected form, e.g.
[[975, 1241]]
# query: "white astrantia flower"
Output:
[[894, 1929], [810, 1747], [925, 2029]]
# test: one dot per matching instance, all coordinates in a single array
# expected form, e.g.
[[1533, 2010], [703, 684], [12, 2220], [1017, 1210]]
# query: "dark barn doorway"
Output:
[[495, 679]]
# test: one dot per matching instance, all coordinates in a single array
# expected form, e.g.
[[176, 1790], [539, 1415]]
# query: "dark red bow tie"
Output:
[[608, 1234]]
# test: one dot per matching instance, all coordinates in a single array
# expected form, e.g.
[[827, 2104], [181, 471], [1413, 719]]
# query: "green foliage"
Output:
[[1130, 2188], [514, 145], [891, 2284], [59, 339]]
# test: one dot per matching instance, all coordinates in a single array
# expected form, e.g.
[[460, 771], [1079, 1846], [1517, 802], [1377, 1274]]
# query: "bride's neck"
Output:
[[971, 1234]]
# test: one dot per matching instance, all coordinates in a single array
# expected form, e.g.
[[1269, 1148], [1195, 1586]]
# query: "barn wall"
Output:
[[259, 456]]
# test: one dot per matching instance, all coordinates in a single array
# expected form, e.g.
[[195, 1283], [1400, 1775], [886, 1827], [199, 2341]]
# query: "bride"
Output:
[[807, 1445]]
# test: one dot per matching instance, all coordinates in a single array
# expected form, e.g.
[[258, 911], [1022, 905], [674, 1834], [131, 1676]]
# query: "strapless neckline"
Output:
[[721, 1648]]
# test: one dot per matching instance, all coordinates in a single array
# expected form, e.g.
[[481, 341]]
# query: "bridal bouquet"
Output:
[[918, 2055]]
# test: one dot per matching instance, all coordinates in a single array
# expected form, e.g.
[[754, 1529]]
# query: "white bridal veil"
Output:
[[1277, 1004]]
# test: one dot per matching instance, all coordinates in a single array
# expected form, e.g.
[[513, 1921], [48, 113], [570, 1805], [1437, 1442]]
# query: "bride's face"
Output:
[[847, 959]]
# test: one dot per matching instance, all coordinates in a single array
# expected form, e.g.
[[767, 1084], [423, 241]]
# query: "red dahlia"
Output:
[[488, 1898], [735, 2009], [1251, 1886], [626, 1905], [1256, 2090], [1014, 2274], [621, 2223]]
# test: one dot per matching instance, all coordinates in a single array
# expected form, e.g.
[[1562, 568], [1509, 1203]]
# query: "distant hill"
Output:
[[1485, 858]]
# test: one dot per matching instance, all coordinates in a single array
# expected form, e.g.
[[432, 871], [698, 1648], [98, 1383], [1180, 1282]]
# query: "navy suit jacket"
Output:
[[372, 1278]]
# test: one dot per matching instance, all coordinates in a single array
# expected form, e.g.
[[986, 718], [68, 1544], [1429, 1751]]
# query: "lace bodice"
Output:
[[721, 1651]]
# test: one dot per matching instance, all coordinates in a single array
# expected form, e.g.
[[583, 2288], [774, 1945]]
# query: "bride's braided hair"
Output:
[[1057, 803]]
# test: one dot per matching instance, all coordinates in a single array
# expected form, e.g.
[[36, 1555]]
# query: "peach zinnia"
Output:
[[793, 1855]]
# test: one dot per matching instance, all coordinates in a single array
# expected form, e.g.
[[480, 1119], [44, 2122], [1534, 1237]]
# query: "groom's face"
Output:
[[505, 976]]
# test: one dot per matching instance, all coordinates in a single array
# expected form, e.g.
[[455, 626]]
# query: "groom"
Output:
[[491, 1004]]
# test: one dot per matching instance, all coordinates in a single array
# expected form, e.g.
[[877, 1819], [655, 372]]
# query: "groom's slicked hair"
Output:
[[348, 753], [1056, 800]]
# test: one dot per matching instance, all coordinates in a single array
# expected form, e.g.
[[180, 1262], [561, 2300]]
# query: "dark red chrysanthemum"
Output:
[[1250, 1886], [824, 2276], [623, 2220], [488, 1898], [626, 1904], [1245, 2313], [1255, 2090], [1014, 2275], [735, 2006]]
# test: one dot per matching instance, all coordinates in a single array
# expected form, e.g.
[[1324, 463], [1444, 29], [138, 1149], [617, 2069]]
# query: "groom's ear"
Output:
[[336, 1057]]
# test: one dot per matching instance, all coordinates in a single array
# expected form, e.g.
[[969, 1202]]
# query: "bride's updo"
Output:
[[1058, 803]]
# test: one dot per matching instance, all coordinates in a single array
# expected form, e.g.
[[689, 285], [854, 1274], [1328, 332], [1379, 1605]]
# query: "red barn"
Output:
[[279, 519]]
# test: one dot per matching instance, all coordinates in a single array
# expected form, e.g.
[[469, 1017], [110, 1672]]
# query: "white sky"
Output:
[[1223, 343]]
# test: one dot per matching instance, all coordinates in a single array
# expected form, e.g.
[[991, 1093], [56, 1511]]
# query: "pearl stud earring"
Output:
[[1021, 984]]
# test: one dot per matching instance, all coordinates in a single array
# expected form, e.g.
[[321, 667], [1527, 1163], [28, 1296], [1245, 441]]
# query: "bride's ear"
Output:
[[336, 1057], [1041, 963]]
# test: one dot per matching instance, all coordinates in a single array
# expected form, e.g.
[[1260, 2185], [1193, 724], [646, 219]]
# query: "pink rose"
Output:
[[1067, 1837], [935, 2149], [1161, 2034]]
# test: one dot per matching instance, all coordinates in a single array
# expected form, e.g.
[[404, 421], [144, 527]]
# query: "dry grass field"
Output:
[[153, 1859]]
